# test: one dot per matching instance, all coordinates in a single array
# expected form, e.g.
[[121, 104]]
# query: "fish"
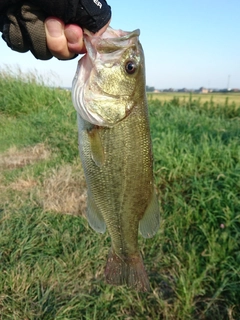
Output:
[[109, 95]]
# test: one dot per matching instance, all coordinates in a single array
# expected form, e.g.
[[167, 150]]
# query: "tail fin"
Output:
[[127, 270]]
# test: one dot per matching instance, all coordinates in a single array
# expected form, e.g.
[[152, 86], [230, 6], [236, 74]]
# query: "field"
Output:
[[209, 98], [52, 262]]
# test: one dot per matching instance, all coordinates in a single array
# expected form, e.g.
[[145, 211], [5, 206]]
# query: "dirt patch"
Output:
[[64, 190], [23, 184], [61, 190], [14, 158]]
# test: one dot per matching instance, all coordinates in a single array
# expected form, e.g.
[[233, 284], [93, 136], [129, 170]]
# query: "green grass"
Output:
[[52, 264]]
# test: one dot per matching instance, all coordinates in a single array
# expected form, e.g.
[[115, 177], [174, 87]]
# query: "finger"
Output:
[[74, 35], [56, 39]]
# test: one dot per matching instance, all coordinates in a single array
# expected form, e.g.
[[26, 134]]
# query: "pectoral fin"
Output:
[[96, 146], [94, 217], [149, 224]]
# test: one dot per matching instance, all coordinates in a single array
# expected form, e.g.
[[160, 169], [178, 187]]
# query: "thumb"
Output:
[[56, 39]]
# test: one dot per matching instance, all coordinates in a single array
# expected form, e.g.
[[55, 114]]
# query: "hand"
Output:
[[55, 31], [65, 41]]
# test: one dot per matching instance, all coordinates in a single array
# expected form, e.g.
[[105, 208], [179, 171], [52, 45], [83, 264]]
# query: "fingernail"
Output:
[[54, 28], [71, 36]]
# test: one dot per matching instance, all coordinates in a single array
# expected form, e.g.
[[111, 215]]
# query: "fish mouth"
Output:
[[113, 35], [110, 41]]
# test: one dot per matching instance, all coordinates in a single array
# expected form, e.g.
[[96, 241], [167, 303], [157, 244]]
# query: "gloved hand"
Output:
[[22, 23]]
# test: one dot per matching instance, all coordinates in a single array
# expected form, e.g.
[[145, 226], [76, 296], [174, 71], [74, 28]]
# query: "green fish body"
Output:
[[115, 149]]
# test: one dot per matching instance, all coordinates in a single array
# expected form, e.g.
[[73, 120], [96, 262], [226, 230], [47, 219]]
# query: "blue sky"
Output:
[[187, 43]]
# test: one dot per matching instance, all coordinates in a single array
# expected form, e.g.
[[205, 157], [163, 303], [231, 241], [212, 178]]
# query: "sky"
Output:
[[187, 44]]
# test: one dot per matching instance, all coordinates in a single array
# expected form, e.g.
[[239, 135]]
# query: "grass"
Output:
[[52, 262]]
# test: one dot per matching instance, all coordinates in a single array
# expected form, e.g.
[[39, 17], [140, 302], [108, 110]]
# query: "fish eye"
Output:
[[130, 67]]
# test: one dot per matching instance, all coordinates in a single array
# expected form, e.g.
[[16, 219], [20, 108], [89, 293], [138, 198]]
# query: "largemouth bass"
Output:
[[115, 148]]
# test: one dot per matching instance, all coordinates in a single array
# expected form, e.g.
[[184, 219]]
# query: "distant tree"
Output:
[[150, 89]]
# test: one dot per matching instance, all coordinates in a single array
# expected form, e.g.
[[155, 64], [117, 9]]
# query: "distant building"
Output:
[[203, 90]]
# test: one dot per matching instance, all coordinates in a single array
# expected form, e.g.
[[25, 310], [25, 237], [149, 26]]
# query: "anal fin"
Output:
[[149, 224]]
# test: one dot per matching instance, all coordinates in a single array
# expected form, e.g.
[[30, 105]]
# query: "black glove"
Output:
[[22, 24]]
